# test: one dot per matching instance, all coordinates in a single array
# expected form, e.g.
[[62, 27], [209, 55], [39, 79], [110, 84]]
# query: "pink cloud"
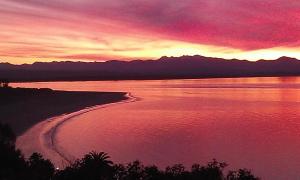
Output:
[[246, 25]]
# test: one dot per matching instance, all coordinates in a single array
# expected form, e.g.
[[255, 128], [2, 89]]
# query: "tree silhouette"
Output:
[[12, 163], [39, 168], [4, 83], [212, 171], [153, 173], [7, 136], [98, 166], [135, 171], [92, 166], [176, 171], [119, 172], [241, 174]]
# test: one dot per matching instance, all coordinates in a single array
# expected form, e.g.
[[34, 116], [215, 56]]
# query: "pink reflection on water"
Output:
[[247, 122]]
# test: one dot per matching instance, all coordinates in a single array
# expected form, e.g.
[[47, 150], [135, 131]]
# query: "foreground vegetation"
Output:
[[97, 166]]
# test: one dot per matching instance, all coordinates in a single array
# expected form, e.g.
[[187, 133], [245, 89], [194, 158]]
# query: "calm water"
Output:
[[247, 122]]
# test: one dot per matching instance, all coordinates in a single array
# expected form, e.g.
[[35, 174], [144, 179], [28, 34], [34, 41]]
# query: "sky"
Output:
[[98, 30]]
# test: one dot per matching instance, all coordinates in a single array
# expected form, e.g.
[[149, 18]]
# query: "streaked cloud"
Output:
[[127, 29]]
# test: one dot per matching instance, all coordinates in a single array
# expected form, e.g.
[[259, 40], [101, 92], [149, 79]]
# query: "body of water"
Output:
[[247, 122]]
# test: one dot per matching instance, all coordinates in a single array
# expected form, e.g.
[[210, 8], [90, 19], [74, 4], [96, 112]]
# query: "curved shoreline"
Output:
[[44, 134]]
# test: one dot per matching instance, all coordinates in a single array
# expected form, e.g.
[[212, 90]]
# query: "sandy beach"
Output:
[[42, 136], [22, 108], [35, 115]]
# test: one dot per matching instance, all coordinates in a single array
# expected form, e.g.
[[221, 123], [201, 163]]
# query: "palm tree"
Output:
[[95, 166], [94, 158]]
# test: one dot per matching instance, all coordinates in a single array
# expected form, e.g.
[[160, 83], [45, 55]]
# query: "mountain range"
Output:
[[163, 68]]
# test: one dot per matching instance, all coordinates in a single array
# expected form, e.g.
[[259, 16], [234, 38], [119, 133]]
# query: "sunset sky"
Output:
[[97, 30]]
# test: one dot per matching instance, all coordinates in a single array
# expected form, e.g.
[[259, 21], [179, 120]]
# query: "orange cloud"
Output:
[[128, 29]]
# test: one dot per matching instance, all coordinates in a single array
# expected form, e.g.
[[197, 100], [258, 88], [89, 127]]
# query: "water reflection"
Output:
[[248, 122]]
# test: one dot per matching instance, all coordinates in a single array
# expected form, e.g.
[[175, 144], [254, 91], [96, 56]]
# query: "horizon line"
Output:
[[139, 59]]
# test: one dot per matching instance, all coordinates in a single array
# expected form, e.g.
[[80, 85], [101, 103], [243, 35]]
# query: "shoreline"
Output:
[[22, 108], [157, 79], [44, 134]]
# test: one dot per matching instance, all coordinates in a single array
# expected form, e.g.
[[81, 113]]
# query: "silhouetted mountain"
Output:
[[163, 68]]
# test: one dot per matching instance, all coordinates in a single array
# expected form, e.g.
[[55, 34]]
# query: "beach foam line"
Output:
[[42, 136]]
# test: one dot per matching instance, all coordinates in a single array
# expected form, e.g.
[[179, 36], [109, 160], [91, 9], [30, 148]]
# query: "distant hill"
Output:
[[163, 68]]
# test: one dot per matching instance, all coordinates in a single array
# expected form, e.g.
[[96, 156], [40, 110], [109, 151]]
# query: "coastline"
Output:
[[22, 108], [159, 79], [43, 135]]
